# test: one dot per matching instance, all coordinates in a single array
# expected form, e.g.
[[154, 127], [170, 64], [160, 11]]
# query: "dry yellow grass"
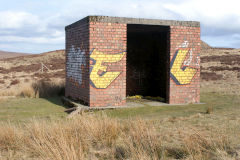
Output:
[[220, 71], [101, 137], [26, 70], [200, 136], [34, 89]]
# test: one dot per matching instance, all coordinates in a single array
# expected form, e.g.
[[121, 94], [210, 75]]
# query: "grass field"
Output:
[[23, 109], [40, 130], [219, 103]]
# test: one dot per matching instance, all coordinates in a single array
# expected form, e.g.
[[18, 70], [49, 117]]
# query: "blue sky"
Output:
[[35, 26]]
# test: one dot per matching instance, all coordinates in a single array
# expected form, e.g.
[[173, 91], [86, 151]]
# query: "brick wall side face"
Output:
[[77, 66], [107, 64], [184, 86]]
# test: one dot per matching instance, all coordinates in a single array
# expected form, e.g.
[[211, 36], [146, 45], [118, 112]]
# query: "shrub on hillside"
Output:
[[2, 81], [14, 82], [44, 88]]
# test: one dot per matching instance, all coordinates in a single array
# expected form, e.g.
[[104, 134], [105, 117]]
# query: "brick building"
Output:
[[109, 58]]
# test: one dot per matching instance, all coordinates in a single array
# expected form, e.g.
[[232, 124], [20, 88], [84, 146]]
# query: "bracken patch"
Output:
[[211, 76]]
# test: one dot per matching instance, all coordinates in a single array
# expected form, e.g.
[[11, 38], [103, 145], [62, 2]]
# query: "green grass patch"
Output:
[[23, 109], [219, 103]]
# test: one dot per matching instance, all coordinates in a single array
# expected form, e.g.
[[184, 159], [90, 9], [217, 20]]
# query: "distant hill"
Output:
[[27, 66], [204, 45], [220, 69], [5, 54]]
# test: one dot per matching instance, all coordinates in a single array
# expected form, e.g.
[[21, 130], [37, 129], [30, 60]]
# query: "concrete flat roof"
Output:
[[125, 20]]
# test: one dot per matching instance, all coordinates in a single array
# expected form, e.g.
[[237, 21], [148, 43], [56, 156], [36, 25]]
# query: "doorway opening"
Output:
[[148, 61]]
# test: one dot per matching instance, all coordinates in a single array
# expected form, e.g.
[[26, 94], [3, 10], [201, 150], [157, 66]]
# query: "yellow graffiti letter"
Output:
[[178, 74], [102, 81]]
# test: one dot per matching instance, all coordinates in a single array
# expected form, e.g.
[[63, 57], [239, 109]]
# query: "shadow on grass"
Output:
[[56, 100], [50, 91]]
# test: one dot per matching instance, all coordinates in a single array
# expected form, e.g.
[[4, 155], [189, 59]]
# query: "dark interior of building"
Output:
[[147, 59]]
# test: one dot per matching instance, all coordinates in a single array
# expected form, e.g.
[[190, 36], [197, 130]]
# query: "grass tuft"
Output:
[[44, 88], [209, 110]]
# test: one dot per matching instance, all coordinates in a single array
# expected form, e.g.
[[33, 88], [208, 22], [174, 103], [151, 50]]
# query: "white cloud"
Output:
[[9, 46], [22, 27], [16, 19], [38, 40], [220, 19], [220, 14], [212, 9], [128, 8]]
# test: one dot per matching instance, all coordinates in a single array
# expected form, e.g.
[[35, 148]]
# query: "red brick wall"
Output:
[[96, 63], [77, 66], [108, 53], [184, 65]]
